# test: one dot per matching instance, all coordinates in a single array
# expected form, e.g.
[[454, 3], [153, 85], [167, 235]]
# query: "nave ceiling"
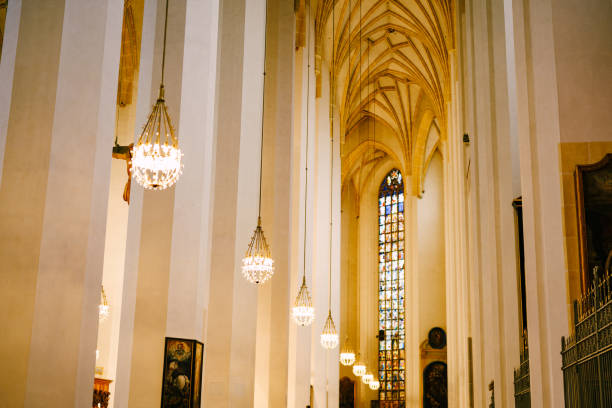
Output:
[[392, 68]]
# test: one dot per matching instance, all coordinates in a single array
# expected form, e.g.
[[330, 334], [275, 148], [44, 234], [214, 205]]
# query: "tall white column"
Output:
[[537, 107], [300, 338], [275, 297], [188, 286], [53, 197], [231, 355], [492, 195], [7, 70], [325, 363], [150, 222]]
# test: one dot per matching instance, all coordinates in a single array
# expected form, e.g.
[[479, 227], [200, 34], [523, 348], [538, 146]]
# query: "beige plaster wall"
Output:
[[583, 58], [431, 251]]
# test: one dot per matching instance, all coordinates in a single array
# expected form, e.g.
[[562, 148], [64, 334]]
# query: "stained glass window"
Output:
[[391, 351]]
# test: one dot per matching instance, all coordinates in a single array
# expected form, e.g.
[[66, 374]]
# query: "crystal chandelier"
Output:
[[347, 356], [156, 157], [103, 307], [366, 378], [359, 369], [257, 264], [329, 337], [302, 312], [374, 385]]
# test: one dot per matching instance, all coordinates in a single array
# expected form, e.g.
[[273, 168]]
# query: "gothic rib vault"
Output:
[[392, 66]]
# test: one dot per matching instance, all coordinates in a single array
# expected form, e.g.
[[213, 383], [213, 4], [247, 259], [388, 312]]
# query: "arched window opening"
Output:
[[391, 352]]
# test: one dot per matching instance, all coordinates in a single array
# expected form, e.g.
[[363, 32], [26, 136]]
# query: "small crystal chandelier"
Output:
[[156, 157], [347, 356], [104, 308], [374, 385], [359, 369], [257, 264], [329, 337], [366, 378], [302, 312]]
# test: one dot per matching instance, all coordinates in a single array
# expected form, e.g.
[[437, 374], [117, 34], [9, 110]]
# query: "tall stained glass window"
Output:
[[391, 352]]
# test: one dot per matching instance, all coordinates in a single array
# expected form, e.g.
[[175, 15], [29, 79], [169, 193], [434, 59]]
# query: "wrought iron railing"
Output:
[[587, 353], [522, 394]]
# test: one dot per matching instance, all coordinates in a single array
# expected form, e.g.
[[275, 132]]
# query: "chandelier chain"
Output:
[[307, 131], [263, 108], [331, 155], [164, 50]]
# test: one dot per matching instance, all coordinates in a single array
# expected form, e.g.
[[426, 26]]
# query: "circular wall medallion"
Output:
[[437, 338]]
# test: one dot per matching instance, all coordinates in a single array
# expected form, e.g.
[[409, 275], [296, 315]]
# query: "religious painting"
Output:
[[435, 389], [594, 206], [182, 376]]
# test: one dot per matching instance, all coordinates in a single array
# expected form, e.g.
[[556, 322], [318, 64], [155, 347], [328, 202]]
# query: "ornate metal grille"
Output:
[[522, 394], [587, 354]]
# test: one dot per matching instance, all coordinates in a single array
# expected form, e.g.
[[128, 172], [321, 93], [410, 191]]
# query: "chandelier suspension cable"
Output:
[[347, 355], [263, 108], [164, 50], [369, 95], [307, 134], [374, 86], [331, 155], [257, 264], [156, 157], [303, 312], [329, 336]]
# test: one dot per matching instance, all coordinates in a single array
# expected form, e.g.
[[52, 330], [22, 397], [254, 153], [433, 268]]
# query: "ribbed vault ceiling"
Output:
[[391, 61]]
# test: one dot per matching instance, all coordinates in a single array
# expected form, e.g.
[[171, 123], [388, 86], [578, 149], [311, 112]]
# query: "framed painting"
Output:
[[594, 207], [182, 375]]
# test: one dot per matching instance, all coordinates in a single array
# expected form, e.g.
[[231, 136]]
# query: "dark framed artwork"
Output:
[[435, 388], [347, 393], [594, 207], [182, 376], [437, 338]]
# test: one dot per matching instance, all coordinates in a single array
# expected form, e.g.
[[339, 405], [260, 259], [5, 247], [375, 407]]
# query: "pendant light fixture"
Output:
[[257, 264], [303, 312], [359, 368], [347, 356], [103, 307], [374, 384], [366, 378], [156, 157], [329, 336]]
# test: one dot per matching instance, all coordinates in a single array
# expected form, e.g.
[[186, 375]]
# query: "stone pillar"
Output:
[[53, 198], [150, 223], [275, 296], [300, 338], [188, 287], [7, 69], [537, 105], [229, 377], [325, 363], [492, 188]]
